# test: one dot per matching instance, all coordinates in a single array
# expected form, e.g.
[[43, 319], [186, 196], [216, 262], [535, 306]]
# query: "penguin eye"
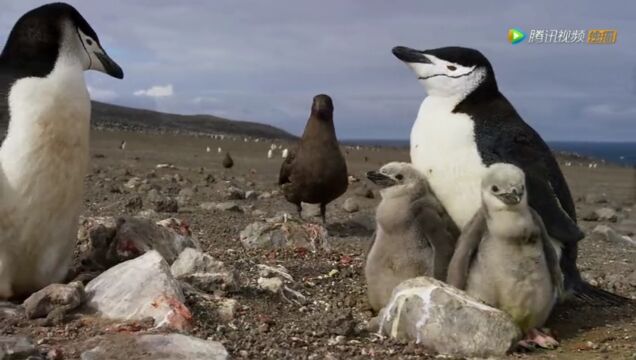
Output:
[[399, 176], [89, 42], [451, 68], [494, 189]]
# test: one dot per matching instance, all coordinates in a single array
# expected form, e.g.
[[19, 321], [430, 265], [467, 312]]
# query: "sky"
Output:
[[263, 61]]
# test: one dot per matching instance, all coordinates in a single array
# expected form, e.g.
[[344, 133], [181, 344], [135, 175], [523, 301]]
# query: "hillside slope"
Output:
[[107, 116]]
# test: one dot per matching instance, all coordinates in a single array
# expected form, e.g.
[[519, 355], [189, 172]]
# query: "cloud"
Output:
[[268, 66], [102, 94], [205, 99], [156, 91], [611, 111]]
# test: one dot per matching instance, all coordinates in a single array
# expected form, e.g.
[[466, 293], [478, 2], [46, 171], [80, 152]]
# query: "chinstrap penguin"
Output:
[[464, 125], [414, 235], [316, 173], [44, 156], [505, 257]]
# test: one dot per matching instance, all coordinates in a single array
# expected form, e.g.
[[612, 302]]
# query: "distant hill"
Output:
[[125, 118], [114, 117]]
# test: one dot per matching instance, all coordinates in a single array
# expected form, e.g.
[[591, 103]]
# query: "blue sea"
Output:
[[623, 153]]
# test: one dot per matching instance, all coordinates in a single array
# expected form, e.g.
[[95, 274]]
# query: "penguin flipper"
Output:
[[433, 232], [551, 256], [466, 247]]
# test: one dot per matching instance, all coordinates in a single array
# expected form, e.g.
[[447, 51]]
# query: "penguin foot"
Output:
[[536, 338]]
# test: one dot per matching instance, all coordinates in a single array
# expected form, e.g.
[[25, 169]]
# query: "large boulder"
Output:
[[607, 233], [54, 300], [137, 289], [204, 272], [447, 320], [107, 241], [156, 347], [18, 347], [283, 232], [606, 214]]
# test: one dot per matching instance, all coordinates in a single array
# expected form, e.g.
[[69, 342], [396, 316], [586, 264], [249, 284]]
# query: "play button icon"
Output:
[[515, 36]]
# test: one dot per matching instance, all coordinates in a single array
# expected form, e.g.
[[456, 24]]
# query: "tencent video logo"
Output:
[[515, 36], [564, 36]]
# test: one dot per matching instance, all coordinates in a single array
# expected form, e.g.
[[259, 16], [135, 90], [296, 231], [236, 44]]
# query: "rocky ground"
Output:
[[314, 306]]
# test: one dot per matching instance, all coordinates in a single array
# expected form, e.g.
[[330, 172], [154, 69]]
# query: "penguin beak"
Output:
[[380, 179], [108, 66], [409, 55], [511, 198]]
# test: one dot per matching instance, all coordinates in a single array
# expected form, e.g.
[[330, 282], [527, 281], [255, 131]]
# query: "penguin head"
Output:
[[322, 107], [43, 35], [395, 173], [503, 186], [449, 71]]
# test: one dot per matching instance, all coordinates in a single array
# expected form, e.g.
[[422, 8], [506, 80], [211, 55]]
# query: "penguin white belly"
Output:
[[514, 278], [444, 149], [44, 160]]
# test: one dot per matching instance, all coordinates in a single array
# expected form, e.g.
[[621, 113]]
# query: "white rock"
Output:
[[226, 309], [272, 271], [133, 183], [165, 166], [595, 198], [265, 196], [606, 214], [351, 205], [157, 346], [107, 241], [447, 320], [209, 206], [9, 309], [204, 272], [62, 297], [140, 288], [280, 233], [273, 285], [611, 235], [251, 195], [192, 261], [14, 347], [234, 193], [229, 206], [147, 214]]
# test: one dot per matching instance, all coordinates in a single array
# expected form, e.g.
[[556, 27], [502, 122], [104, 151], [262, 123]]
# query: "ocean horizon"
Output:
[[621, 153]]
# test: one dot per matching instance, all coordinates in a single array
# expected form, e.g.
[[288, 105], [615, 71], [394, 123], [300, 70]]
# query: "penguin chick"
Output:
[[505, 257], [414, 234]]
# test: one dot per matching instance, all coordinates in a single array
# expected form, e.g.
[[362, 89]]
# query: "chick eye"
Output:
[[451, 68], [89, 42], [399, 176], [494, 188]]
